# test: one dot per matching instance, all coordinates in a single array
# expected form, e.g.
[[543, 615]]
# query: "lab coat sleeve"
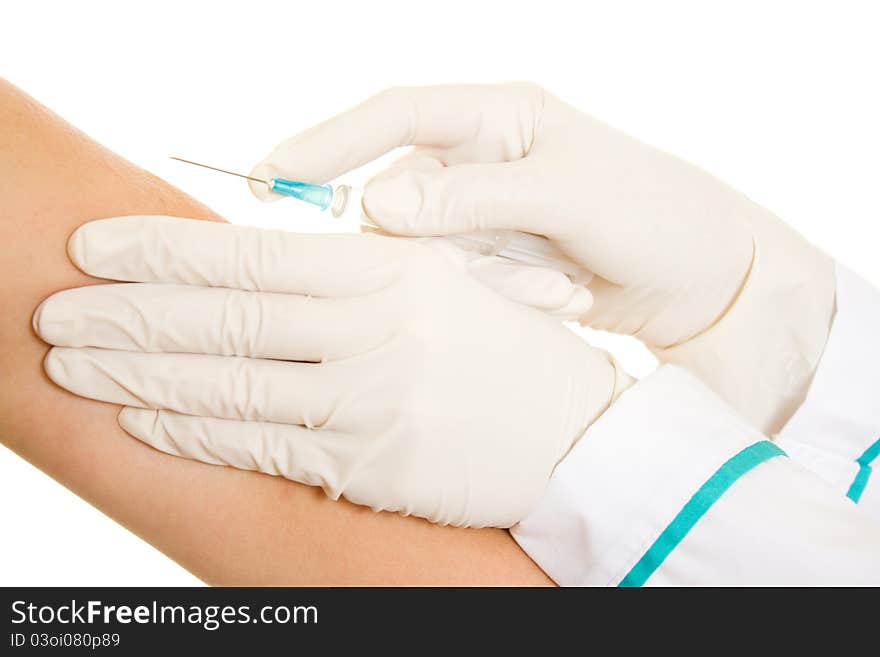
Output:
[[836, 431], [670, 487]]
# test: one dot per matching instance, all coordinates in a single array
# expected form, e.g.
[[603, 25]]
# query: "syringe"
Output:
[[518, 246]]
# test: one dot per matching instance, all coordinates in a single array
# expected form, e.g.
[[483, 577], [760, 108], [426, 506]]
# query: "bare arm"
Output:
[[226, 526]]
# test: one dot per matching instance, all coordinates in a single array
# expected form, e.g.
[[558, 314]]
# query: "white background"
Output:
[[779, 99]]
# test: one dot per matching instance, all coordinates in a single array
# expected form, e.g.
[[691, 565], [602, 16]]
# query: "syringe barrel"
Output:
[[525, 248]]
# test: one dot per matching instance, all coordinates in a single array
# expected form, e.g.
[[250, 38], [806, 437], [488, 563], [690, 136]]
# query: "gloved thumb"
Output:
[[458, 199]]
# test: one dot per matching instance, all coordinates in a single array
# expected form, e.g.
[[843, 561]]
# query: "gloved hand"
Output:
[[374, 367], [702, 275]]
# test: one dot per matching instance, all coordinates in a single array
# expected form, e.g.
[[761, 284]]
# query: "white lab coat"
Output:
[[671, 487]]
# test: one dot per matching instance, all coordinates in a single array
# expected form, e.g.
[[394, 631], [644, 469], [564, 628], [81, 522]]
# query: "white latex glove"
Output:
[[374, 367], [702, 275]]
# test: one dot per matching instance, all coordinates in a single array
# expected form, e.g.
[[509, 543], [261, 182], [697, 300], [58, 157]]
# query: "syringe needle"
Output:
[[320, 195], [231, 173]]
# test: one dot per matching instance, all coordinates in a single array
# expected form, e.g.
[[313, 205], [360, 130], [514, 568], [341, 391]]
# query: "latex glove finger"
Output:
[[460, 199], [324, 458], [439, 116], [184, 319], [297, 453], [172, 250], [217, 386], [418, 159]]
